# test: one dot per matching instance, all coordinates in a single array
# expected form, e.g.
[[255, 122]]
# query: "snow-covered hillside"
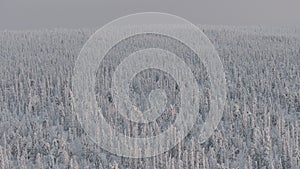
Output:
[[260, 127]]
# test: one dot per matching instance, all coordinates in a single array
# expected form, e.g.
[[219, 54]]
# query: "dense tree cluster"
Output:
[[260, 127]]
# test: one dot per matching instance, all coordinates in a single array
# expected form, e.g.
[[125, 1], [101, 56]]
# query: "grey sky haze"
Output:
[[40, 14]]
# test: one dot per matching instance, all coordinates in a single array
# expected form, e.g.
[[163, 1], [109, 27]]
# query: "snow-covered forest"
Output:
[[260, 127]]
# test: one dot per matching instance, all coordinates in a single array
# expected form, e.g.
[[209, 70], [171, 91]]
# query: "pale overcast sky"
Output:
[[40, 14]]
